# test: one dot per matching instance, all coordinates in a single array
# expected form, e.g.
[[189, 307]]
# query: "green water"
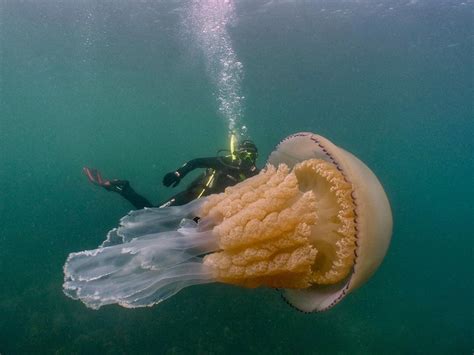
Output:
[[120, 85]]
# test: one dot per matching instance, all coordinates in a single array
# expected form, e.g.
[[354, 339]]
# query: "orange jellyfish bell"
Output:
[[372, 218]]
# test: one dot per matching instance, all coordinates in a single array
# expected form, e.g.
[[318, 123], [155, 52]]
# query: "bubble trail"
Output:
[[209, 20]]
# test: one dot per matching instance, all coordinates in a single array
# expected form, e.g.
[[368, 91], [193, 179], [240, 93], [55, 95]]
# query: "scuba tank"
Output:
[[233, 144]]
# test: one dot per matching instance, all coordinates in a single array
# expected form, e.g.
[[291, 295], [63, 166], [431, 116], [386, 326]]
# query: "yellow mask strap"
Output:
[[233, 145]]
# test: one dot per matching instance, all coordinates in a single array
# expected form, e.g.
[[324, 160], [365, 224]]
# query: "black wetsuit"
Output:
[[220, 173]]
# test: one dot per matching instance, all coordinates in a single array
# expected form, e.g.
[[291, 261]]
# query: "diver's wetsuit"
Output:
[[220, 173]]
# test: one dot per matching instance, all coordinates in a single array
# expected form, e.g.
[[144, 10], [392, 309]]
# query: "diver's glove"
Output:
[[172, 178], [95, 177]]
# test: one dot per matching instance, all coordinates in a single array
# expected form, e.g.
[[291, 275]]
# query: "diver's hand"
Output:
[[172, 178]]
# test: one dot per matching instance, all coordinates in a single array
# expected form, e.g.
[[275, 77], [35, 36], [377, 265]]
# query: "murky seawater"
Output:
[[138, 88]]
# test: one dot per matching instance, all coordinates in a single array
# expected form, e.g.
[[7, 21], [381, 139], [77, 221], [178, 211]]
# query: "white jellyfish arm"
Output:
[[149, 267], [151, 220]]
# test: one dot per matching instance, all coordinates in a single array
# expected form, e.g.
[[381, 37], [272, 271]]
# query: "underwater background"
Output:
[[137, 88]]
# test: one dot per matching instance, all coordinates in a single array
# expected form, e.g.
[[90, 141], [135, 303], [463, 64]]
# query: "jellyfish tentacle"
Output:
[[143, 289], [151, 220], [142, 272]]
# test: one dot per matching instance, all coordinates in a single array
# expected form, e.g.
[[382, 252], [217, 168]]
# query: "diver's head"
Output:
[[247, 152]]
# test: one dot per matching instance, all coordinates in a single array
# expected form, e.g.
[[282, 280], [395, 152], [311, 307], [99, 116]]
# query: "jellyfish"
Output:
[[315, 224]]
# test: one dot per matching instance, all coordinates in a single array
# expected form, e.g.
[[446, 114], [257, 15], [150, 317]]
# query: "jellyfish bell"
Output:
[[372, 217], [315, 223]]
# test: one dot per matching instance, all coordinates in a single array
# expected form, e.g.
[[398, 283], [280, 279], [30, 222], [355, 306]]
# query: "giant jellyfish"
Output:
[[315, 224]]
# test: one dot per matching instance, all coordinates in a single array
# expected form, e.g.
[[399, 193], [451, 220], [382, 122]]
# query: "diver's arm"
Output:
[[173, 178], [200, 163]]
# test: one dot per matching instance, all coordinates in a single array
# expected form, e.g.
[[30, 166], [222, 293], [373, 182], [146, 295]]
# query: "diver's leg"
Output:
[[122, 187], [138, 201], [179, 199]]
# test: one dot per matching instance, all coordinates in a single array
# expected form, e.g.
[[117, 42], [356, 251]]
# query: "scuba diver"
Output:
[[221, 172]]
